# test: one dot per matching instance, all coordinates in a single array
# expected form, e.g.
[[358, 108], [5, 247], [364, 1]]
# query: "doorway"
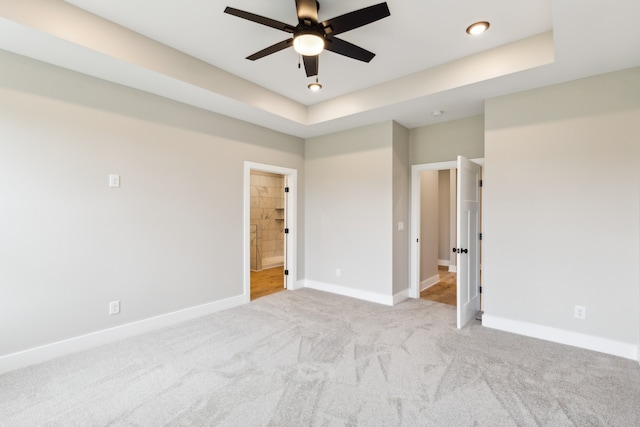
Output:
[[438, 235], [466, 241], [269, 224], [267, 233]]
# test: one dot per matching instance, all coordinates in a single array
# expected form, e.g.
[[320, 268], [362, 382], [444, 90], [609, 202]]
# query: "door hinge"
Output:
[[480, 289], [481, 183], [286, 272], [417, 240], [480, 237], [286, 231], [286, 189]]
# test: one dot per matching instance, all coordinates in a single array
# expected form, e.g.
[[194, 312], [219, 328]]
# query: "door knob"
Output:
[[464, 251]]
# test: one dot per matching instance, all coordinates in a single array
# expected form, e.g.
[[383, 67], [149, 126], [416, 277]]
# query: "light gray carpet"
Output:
[[307, 358]]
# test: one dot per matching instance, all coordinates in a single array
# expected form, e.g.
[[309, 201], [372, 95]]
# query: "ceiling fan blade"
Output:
[[311, 65], [342, 47], [260, 19], [271, 49], [355, 19], [307, 9]]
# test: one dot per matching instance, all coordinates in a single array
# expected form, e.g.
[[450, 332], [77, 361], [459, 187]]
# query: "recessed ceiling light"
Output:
[[315, 86], [478, 28]]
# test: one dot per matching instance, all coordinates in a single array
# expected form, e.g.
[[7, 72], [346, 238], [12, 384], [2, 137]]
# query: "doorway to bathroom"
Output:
[[270, 193], [267, 233]]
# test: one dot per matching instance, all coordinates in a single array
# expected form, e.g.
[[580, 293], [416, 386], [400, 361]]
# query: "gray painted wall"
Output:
[[562, 207], [170, 238], [401, 201], [446, 141], [349, 212]]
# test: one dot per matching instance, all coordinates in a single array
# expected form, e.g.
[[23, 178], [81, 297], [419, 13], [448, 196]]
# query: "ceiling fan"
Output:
[[310, 36]]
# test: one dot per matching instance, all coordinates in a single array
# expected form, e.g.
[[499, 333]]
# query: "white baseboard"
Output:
[[272, 262], [561, 336], [444, 262], [429, 282], [453, 269], [400, 296], [294, 285], [46, 352], [350, 292]]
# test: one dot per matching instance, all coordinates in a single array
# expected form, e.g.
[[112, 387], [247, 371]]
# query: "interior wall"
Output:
[[170, 238], [429, 225], [444, 217], [401, 202], [444, 142], [453, 217], [561, 207], [349, 188]]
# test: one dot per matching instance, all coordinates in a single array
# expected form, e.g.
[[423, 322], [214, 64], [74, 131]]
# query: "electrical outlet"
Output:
[[114, 181], [338, 272], [114, 307], [580, 312]]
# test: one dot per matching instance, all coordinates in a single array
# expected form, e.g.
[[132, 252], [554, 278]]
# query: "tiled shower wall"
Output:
[[267, 214]]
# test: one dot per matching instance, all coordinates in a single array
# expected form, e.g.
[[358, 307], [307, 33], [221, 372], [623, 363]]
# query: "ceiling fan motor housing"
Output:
[[309, 41]]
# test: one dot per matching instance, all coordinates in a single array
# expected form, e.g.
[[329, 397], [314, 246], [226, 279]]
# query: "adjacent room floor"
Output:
[[267, 282], [444, 291]]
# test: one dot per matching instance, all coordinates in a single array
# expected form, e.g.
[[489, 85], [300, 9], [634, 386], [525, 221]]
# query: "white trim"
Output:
[[401, 296], [414, 259], [350, 292], [453, 269], [291, 221], [444, 262], [46, 352], [575, 339], [296, 285], [429, 282]]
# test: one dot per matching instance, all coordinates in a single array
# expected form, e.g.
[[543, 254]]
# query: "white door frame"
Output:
[[290, 220], [414, 263]]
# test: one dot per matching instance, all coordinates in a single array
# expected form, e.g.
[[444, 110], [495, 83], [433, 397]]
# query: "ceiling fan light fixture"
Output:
[[478, 28], [308, 43]]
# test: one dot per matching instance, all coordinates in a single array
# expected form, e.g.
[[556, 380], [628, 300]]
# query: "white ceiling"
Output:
[[424, 59]]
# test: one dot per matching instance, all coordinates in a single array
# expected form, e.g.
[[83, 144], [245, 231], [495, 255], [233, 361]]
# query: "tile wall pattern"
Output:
[[267, 213]]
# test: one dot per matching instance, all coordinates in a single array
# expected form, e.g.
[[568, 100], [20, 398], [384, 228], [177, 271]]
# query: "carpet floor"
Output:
[[308, 358]]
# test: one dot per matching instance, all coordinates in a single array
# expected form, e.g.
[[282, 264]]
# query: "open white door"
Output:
[[468, 241]]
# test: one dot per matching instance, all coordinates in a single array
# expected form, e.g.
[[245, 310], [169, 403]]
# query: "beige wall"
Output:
[[444, 216], [561, 207], [428, 225], [170, 238], [446, 141]]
